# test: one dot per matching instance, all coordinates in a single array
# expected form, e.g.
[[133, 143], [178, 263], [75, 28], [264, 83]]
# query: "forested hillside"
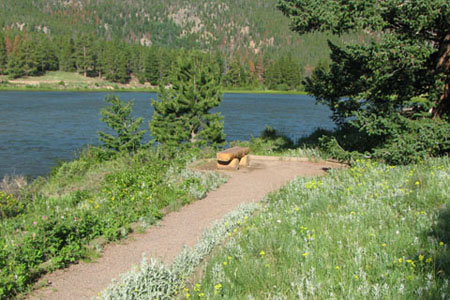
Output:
[[249, 27]]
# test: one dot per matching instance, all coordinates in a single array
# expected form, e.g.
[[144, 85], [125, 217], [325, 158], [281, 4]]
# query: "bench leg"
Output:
[[232, 165], [245, 161]]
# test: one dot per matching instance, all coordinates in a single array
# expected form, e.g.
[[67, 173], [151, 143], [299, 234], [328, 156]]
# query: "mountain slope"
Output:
[[248, 27]]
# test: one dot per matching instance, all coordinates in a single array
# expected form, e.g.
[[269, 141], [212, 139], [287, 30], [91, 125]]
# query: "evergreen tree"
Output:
[[117, 116], [3, 54], [29, 56], [137, 62], [46, 55], [16, 60], [116, 63], [84, 53], [233, 77], [67, 61], [383, 92], [152, 66], [15, 64], [167, 58], [292, 72], [182, 113], [100, 62], [274, 76], [410, 59]]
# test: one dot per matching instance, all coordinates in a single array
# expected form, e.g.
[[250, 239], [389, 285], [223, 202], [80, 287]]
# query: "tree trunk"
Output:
[[193, 136], [443, 66], [84, 62]]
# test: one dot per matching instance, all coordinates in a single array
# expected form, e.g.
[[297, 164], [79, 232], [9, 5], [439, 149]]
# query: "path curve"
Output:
[[176, 229]]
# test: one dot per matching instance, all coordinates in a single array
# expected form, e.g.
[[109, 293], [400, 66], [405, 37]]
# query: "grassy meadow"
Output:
[[372, 231], [69, 81]]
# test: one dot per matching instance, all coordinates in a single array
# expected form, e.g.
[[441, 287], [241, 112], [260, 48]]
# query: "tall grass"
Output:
[[370, 232]]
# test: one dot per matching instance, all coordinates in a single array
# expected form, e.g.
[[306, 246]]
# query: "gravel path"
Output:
[[176, 229]]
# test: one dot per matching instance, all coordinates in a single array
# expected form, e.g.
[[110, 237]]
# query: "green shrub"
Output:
[[414, 141], [9, 206], [270, 141]]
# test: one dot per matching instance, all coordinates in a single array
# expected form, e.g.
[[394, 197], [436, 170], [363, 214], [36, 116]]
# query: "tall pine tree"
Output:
[[152, 67], [182, 113], [67, 60], [84, 53]]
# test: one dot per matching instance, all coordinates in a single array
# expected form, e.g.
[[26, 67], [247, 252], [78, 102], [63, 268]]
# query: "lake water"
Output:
[[39, 128]]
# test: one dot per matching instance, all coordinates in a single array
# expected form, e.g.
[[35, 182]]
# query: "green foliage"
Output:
[[9, 205], [269, 142], [285, 73], [372, 231], [116, 62], [67, 59], [182, 113], [152, 67], [84, 53], [385, 86], [3, 54], [117, 116], [413, 141], [89, 199]]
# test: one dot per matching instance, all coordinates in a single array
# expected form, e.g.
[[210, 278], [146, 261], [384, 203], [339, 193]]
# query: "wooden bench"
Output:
[[233, 158]]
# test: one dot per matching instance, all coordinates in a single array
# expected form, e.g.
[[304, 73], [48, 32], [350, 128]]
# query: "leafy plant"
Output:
[[118, 117]]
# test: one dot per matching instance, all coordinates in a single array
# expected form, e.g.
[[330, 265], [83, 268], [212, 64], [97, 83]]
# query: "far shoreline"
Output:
[[139, 90]]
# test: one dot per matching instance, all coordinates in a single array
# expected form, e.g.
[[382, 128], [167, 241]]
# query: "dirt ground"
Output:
[[177, 229]]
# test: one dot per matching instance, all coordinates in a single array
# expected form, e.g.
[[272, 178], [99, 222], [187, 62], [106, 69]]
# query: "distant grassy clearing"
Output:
[[70, 81], [58, 80], [372, 231]]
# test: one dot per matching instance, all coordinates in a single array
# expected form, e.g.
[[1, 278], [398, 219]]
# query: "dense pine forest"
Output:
[[118, 40]]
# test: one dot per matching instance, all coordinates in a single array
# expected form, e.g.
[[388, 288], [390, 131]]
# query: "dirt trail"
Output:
[[184, 227]]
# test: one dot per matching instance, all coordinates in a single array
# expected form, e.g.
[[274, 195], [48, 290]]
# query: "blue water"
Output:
[[39, 128]]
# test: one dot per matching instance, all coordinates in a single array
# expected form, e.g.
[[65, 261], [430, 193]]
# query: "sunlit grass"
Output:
[[372, 231]]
